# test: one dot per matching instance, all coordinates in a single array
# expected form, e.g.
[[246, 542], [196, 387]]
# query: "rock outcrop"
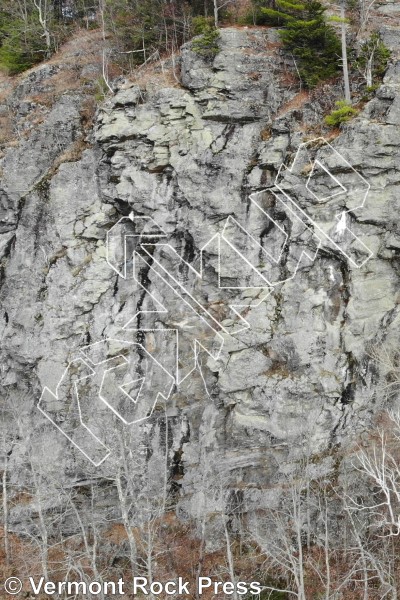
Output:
[[301, 379]]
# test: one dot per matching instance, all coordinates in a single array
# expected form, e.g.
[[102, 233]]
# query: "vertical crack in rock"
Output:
[[189, 156]]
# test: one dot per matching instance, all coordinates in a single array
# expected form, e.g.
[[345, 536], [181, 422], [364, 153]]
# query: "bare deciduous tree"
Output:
[[219, 5], [43, 8]]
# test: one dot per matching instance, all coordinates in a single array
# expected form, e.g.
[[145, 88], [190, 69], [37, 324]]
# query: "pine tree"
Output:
[[307, 36], [29, 32], [20, 38]]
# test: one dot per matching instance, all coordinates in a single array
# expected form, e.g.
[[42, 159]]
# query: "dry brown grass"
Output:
[[266, 133], [161, 72], [295, 103], [71, 154], [6, 129], [178, 552], [79, 69]]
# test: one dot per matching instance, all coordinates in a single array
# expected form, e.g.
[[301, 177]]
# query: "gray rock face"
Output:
[[299, 379], [242, 84]]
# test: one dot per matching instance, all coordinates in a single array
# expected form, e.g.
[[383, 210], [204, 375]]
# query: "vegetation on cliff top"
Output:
[[135, 29], [308, 37], [137, 32]]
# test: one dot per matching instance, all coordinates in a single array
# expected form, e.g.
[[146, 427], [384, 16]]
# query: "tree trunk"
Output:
[[126, 522], [5, 514], [216, 13], [38, 483], [347, 94], [230, 558], [368, 74], [42, 16], [201, 553]]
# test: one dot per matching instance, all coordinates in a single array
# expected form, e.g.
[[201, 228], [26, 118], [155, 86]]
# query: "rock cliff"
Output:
[[315, 273]]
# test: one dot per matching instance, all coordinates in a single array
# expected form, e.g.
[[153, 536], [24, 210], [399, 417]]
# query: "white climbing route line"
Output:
[[311, 206], [350, 193]]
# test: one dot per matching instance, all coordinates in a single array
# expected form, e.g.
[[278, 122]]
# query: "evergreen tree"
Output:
[[29, 32], [20, 38], [308, 37]]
